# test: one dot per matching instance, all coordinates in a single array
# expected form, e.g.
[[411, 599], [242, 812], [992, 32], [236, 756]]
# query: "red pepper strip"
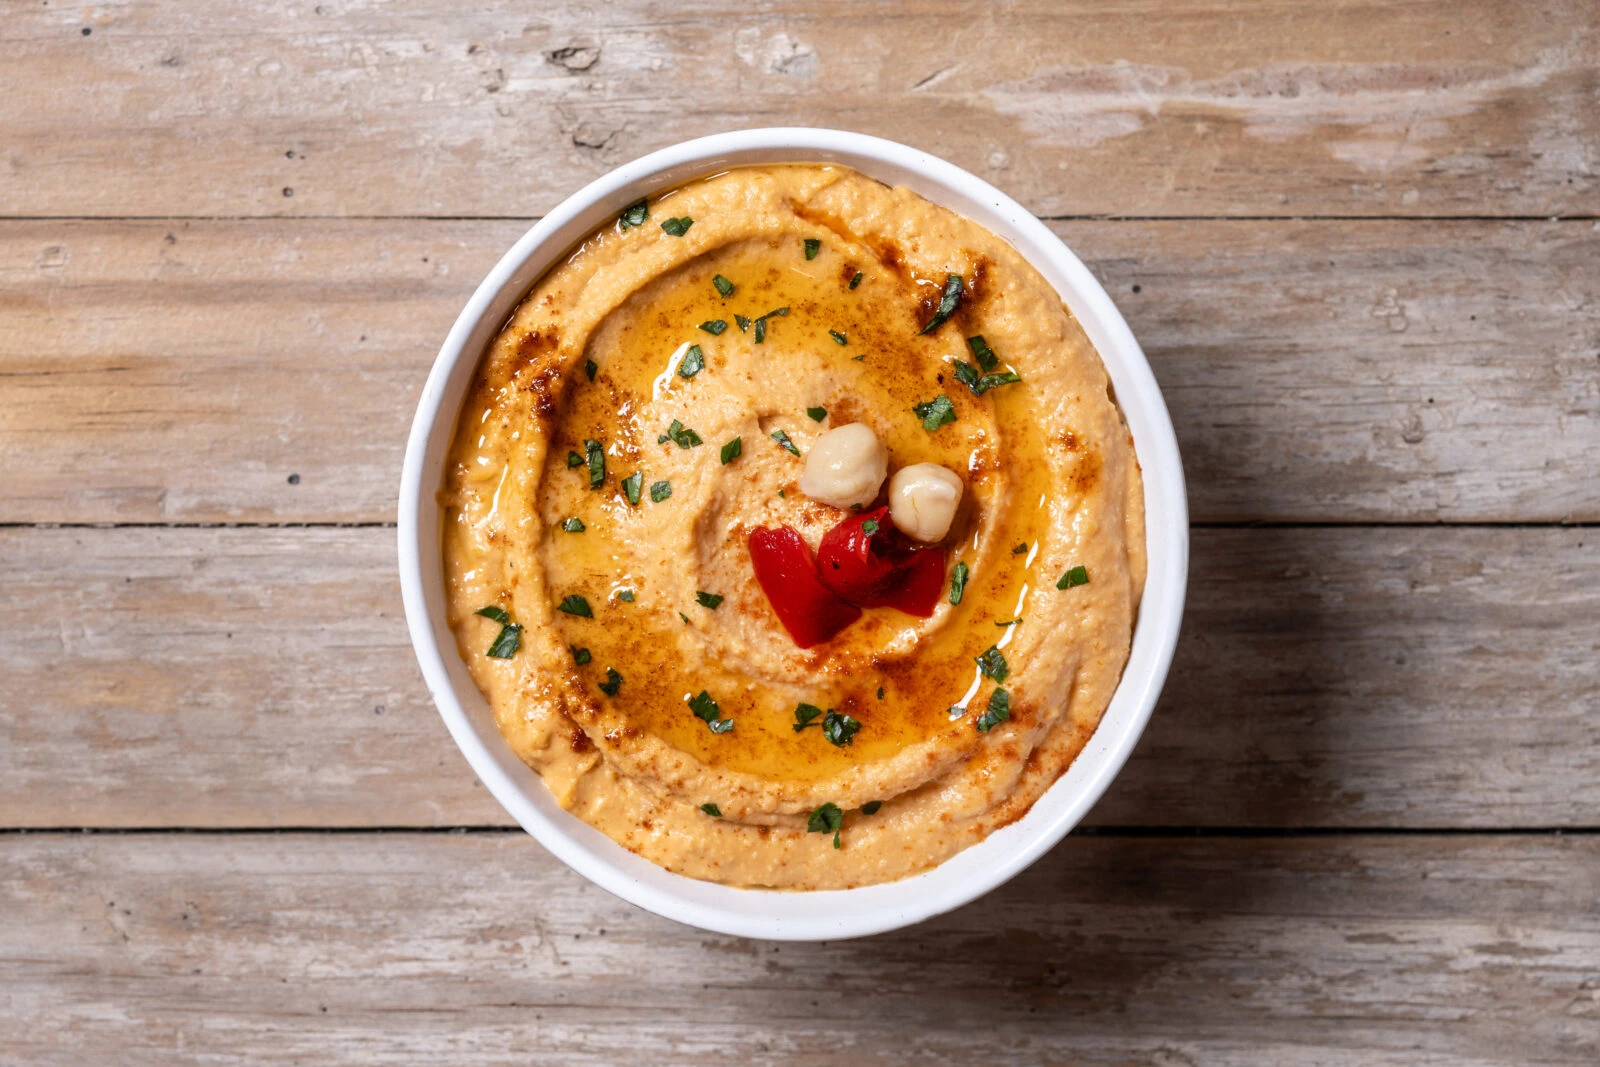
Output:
[[810, 611], [882, 569]]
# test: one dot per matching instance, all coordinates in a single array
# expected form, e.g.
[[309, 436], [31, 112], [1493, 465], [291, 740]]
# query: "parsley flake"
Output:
[[724, 286], [871, 807], [681, 434], [826, 819], [659, 491], [678, 227], [1009, 622], [732, 450], [624, 595], [634, 215], [855, 281], [958, 582], [706, 709], [1078, 575], [947, 304], [783, 439], [591, 368], [1020, 549], [573, 525], [712, 810], [813, 246], [992, 664], [714, 326], [574, 460], [968, 376], [709, 600], [631, 486], [597, 463], [869, 527], [817, 414], [580, 656], [744, 323], [803, 714], [840, 730], [498, 614], [761, 330], [936, 412], [983, 353], [694, 361], [612, 683], [576, 605], [505, 646], [839, 337], [999, 711]]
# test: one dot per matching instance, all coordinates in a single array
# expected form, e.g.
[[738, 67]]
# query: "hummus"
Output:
[[650, 404]]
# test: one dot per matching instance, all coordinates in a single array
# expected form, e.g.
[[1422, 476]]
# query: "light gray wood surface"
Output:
[[1359, 242]]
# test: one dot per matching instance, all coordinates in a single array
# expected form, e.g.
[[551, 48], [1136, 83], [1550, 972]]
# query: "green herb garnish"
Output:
[[839, 337], [576, 605], [871, 807], [744, 323], [999, 711], [591, 368], [813, 246], [761, 330], [498, 614], [968, 376], [624, 595], [1078, 575], [714, 326], [574, 460], [678, 227], [826, 819], [958, 582], [817, 414], [597, 463], [612, 683], [803, 714], [732, 450], [684, 617], [709, 600], [505, 646], [858, 359], [855, 281], [694, 361], [983, 353], [992, 664], [783, 439], [936, 412], [869, 527], [724, 286], [839, 729], [880, 692], [634, 215], [631, 486], [712, 810], [1009, 622], [681, 434], [580, 656], [573, 525], [1020, 549], [706, 709], [952, 296], [659, 491]]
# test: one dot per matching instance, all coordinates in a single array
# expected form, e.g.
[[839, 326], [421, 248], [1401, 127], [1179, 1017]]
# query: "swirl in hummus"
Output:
[[619, 450]]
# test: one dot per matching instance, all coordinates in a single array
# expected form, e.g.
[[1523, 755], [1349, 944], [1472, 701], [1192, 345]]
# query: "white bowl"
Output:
[[766, 913]]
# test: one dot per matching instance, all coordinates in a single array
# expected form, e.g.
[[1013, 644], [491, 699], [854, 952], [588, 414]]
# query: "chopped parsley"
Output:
[[714, 326], [580, 656], [826, 819], [803, 714], [694, 361], [498, 614], [855, 281], [634, 215], [612, 683], [839, 337], [783, 439], [573, 525], [709, 600], [813, 246], [681, 434], [659, 491], [724, 286], [678, 227], [574, 460], [744, 323], [817, 414], [958, 582], [1009, 622], [869, 527], [992, 664], [712, 810], [968, 376], [591, 368], [859, 358], [706, 709], [1078, 575], [999, 711], [761, 330], [732, 450], [947, 304], [880, 692], [597, 463], [576, 605], [871, 807], [684, 617], [839, 729], [624, 595], [631, 486], [983, 353], [936, 412], [505, 646], [1020, 549]]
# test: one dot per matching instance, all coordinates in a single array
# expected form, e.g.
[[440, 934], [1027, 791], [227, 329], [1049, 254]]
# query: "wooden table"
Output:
[[1359, 243]]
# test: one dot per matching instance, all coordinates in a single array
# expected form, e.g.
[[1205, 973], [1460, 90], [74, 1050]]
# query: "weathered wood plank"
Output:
[[1393, 371], [1253, 107], [421, 947], [1428, 677]]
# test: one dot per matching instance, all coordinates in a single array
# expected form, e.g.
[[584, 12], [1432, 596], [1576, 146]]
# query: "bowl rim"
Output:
[[765, 913]]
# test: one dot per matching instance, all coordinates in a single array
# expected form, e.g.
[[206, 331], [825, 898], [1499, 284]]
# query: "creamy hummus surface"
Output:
[[652, 405]]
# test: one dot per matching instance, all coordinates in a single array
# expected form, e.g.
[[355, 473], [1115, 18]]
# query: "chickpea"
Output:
[[923, 499], [845, 466]]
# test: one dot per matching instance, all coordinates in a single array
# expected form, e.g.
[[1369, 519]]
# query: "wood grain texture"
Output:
[[1319, 371], [398, 949], [1421, 677], [1255, 107]]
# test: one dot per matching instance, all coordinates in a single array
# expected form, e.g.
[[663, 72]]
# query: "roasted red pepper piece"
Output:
[[882, 569], [809, 610]]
